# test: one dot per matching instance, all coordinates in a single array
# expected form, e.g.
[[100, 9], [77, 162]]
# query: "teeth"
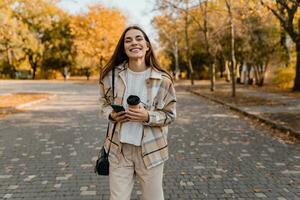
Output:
[[134, 49]]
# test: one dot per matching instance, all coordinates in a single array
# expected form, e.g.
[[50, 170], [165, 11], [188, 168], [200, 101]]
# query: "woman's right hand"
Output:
[[119, 116]]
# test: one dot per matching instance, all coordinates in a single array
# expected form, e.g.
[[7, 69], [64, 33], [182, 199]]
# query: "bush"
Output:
[[284, 77]]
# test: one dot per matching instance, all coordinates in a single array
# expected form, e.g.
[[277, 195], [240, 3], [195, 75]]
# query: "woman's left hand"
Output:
[[137, 114]]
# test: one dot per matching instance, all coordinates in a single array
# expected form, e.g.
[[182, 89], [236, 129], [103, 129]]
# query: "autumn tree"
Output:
[[41, 18], [256, 38], [168, 31], [96, 35], [14, 36], [44, 37], [261, 39], [59, 50], [286, 11], [181, 10]]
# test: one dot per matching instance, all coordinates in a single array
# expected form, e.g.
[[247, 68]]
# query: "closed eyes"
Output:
[[138, 38]]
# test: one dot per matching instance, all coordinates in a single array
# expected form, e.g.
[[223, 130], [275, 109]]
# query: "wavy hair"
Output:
[[119, 56]]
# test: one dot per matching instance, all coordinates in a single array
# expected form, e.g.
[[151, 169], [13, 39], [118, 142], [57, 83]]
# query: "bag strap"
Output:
[[113, 83], [113, 93]]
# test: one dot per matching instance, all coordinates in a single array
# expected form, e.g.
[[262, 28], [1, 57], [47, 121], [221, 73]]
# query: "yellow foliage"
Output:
[[183, 74], [164, 60], [284, 77], [96, 34]]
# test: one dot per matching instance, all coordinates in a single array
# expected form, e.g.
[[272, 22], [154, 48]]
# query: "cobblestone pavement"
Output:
[[49, 151], [282, 101]]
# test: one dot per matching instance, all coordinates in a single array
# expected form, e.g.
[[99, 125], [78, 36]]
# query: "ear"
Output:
[[147, 46]]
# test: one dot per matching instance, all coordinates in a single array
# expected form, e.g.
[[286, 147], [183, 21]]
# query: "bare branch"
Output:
[[186, 11], [283, 3], [282, 20], [286, 21]]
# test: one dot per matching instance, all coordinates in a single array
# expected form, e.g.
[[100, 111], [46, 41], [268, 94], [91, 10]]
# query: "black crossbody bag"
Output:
[[102, 163]]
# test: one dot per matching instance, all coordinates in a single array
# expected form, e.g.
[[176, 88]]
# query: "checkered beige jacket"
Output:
[[161, 106]]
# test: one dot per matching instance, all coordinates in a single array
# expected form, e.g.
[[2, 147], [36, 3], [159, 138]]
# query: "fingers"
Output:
[[119, 116], [120, 113], [139, 116], [140, 109], [123, 119], [135, 115]]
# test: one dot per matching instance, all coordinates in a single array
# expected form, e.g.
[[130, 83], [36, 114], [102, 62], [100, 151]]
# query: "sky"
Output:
[[137, 11]]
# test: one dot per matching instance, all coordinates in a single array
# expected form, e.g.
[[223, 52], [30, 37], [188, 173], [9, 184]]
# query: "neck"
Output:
[[137, 65]]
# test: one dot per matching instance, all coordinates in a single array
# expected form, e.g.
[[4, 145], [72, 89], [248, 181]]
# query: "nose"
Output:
[[134, 42]]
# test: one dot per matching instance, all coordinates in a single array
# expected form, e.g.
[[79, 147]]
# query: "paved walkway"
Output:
[[48, 152], [281, 110], [282, 101]]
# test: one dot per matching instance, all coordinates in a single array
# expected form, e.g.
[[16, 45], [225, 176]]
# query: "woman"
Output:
[[139, 143]]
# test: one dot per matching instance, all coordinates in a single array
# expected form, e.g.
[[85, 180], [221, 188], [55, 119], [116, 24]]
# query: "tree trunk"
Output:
[[222, 66], [212, 77], [191, 71], [286, 55], [297, 78], [33, 64], [260, 75], [211, 64], [187, 43], [238, 74], [177, 71], [256, 74], [232, 72], [233, 60], [34, 72], [12, 70], [263, 73], [227, 70], [283, 41]]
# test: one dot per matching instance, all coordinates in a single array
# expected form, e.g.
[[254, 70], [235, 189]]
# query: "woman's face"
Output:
[[135, 44]]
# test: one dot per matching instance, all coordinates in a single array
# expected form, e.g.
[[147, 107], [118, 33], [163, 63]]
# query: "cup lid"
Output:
[[133, 100]]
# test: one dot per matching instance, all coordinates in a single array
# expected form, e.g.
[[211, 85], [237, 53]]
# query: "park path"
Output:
[[48, 152]]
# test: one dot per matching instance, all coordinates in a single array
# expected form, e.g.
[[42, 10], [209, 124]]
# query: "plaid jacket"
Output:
[[161, 106]]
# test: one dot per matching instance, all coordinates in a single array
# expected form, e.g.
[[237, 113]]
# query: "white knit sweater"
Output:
[[132, 132]]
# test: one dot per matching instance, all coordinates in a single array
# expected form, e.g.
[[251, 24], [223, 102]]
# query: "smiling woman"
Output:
[[135, 45], [139, 147]]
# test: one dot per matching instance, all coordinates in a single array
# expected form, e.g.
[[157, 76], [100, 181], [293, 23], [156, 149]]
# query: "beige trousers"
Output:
[[124, 168]]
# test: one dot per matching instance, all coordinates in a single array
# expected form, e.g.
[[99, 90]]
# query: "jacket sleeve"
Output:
[[104, 101], [165, 112]]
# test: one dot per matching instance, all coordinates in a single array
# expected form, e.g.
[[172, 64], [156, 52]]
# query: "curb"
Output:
[[35, 102], [261, 119], [14, 109]]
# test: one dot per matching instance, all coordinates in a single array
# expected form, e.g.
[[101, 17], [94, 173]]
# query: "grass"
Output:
[[8, 103]]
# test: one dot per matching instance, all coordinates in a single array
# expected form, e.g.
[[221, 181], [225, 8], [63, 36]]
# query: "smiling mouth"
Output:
[[135, 49]]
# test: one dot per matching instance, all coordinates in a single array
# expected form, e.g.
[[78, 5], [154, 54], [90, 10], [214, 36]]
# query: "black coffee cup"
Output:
[[133, 100]]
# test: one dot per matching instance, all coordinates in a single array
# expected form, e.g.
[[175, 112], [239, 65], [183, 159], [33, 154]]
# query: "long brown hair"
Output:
[[119, 55]]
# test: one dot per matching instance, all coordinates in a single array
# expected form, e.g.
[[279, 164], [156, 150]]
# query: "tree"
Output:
[[187, 40], [260, 44], [14, 35], [181, 9], [40, 18], [96, 35], [167, 27], [232, 38], [255, 37], [211, 62], [286, 12], [59, 48]]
